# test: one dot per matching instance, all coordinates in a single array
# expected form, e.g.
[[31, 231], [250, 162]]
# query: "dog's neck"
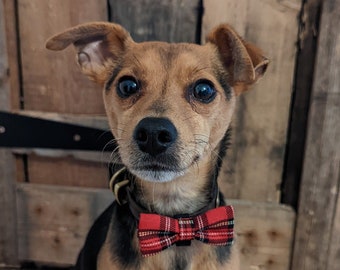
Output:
[[185, 195]]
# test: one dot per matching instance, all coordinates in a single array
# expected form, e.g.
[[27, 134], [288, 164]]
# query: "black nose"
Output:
[[155, 135]]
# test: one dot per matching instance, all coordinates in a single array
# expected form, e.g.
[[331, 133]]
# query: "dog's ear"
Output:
[[244, 62], [99, 46]]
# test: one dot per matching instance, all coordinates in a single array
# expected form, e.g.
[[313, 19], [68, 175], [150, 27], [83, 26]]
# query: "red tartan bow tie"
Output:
[[156, 232]]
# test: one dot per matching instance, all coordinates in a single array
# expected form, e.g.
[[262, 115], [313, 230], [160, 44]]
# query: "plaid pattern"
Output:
[[156, 232]]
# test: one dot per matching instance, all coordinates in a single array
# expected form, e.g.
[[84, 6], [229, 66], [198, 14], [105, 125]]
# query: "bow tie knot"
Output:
[[156, 232]]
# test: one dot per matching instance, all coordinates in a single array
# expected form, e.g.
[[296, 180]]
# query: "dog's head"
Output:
[[169, 105]]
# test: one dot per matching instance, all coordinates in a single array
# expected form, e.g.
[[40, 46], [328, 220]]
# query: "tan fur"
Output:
[[204, 258], [166, 71]]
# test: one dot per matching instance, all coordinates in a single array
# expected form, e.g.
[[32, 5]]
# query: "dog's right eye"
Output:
[[127, 86], [204, 91]]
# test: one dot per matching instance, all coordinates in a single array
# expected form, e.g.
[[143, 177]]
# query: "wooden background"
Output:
[[51, 197]]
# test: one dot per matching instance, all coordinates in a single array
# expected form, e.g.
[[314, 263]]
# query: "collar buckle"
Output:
[[117, 182]]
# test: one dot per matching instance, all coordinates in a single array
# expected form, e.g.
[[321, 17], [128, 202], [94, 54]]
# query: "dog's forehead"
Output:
[[168, 55]]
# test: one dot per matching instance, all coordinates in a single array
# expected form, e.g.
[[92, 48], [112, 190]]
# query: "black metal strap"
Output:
[[30, 132]]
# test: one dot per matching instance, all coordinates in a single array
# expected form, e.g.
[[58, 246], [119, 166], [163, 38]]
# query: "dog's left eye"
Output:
[[127, 86], [204, 91]]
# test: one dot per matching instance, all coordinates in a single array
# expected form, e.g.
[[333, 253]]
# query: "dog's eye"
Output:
[[204, 91], [127, 86]]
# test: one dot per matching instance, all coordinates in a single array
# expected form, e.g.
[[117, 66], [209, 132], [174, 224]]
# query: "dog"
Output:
[[169, 107]]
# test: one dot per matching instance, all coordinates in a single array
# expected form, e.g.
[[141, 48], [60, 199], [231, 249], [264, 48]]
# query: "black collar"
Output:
[[121, 186]]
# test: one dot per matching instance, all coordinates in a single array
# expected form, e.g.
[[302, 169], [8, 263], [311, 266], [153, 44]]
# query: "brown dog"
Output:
[[169, 107]]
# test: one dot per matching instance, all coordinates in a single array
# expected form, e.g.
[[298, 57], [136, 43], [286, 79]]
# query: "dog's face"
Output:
[[169, 105], [167, 108]]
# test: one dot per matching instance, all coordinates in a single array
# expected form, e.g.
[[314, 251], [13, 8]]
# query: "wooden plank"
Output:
[[8, 235], [83, 120], [261, 118], [8, 240], [305, 62], [171, 21], [334, 255], [265, 234], [5, 95], [12, 52], [321, 169], [67, 171], [97, 157], [52, 81], [53, 222]]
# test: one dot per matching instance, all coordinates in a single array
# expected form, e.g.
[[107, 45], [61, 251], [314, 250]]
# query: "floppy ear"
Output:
[[99, 47], [243, 61]]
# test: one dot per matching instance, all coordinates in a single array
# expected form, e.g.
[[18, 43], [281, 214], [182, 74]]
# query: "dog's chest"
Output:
[[196, 256]]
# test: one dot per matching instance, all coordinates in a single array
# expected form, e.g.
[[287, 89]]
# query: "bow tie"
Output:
[[156, 232]]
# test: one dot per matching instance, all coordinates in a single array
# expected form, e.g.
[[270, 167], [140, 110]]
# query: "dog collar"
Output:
[[120, 185], [118, 182]]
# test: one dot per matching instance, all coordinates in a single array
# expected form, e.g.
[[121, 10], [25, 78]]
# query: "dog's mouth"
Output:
[[154, 167], [161, 169], [156, 171]]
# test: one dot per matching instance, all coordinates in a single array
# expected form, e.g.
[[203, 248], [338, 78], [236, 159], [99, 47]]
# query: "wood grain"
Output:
[[12, 52], [318, 221], [52, 81], [265, 234], [67, 171], [253, 168], [171, 21], [53, 222], [8, 233], [99, 122], [334, 248]]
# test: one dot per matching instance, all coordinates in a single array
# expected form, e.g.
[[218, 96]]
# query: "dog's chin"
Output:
[[157, 176]]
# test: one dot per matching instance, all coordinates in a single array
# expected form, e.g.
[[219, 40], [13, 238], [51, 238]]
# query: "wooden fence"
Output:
[[282, 171]]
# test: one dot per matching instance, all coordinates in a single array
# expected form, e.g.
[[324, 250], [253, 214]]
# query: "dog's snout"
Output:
[[155, 135]]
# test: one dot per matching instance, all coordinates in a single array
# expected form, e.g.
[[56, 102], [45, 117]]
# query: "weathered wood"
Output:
[[52, 81], [53, 222], [12, 52], [321, 169], [334, 248], [98, 157], [83, 120], [171, 21], [5, 95], [265, 234], [261, 118], [305, 61], [8, 233], [67, 171]]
